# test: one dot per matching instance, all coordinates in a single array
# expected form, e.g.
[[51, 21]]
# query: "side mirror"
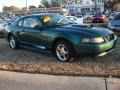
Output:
[[9, 24]]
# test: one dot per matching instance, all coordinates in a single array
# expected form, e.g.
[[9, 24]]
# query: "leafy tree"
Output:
[[40, 6], [14, 8], [32, 7], [11, 8], [45, 3], [117, 1], [58, 3], [55, 3], [5, 8], [111, 3]]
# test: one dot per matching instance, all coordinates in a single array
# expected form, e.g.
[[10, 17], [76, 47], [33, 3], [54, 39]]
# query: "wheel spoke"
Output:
[[62, 52], [64, 56], [65, 51], [58, 48], [12, 42]]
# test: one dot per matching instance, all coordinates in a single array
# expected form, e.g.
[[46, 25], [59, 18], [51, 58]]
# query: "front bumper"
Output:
[[95, 49]]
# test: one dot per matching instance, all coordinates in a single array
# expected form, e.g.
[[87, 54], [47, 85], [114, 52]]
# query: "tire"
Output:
[[64, 51], [13, 42]]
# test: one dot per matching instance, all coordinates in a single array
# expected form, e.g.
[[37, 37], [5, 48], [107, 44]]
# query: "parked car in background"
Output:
[[88, 16], [114, 24], [2, 25], [57, 34], [75, 19], [112, 16], [79, 16], [98, 18]]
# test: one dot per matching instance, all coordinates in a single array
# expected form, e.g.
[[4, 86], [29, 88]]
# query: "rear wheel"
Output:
[[64, 51], [13, 42]]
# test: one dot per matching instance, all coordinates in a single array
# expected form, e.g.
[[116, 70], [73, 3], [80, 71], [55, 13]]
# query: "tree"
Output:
[[5, 8], [116, 5], [11, 8], [32, 7], [117, 1], [55, 3], [14, 8], [40, 6], [45, 3], [111, 3], [58, 3]]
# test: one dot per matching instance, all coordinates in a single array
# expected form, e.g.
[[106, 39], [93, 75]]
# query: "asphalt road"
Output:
[[23, 81]]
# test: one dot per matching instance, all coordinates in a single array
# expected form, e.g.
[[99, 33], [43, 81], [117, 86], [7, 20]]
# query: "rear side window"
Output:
[[31, 22]]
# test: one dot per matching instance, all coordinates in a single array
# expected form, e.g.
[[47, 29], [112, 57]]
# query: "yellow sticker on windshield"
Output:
[[46, 19]]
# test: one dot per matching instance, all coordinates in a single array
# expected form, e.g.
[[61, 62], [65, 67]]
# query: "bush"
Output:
[[103, 25]]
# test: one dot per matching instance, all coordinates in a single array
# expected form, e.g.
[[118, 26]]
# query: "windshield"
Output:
[[56, 20]]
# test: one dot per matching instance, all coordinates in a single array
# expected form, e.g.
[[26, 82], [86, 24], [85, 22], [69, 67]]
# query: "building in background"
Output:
[[73, 7], [41, 10], [5, 14], [77, 1], [76, 7]]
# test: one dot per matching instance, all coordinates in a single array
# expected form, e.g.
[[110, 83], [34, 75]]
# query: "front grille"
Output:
[[109, 37]]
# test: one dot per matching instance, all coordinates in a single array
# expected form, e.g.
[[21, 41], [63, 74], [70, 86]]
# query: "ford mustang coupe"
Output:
[[56, 34]]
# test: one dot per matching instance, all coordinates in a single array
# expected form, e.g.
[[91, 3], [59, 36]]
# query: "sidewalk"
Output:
[[23, 81]]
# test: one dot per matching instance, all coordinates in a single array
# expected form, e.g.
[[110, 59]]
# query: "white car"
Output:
[[2, 25], [114, 24], [75, 19], [88, 16]]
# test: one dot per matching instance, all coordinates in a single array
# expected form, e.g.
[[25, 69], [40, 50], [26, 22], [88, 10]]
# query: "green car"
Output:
[[60, 36]]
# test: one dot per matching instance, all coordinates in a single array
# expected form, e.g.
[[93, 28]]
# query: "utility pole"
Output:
[[96, 6], [74, 7], [26, 7], [104, 1]]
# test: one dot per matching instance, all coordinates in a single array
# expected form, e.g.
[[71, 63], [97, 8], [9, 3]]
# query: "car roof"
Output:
[[69, 16], [40, 14], [36, 15]]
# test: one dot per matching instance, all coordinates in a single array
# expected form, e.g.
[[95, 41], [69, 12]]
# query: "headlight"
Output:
[[92, 40]]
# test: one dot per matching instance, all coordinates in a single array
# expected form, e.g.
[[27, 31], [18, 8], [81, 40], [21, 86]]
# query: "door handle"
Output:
[[23, 31]]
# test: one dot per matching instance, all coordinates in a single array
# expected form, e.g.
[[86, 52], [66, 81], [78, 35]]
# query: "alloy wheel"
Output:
[[62, 52]]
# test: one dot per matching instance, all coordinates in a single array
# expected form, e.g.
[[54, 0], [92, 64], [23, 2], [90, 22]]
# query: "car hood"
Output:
[[115, 22], [86, 30]]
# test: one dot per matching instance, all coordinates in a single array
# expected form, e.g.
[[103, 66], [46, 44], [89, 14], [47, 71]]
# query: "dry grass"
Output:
[[34, 62]]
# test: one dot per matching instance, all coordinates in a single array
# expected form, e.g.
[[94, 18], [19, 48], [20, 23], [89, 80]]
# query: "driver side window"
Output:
[[31, 22]]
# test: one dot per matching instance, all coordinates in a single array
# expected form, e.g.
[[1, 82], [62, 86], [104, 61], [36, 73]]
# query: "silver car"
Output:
[[114, 24]]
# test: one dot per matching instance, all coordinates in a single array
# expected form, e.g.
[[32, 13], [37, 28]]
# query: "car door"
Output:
[[31, 35]]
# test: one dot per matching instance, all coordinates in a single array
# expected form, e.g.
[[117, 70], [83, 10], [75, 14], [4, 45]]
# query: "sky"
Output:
[[18, 3]]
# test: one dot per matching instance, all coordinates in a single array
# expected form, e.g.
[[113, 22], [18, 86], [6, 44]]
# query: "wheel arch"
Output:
[[61, 39], [9, 34]]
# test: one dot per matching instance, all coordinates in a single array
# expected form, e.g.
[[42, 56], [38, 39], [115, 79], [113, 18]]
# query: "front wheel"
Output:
[[13, 42], [64, 51]]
